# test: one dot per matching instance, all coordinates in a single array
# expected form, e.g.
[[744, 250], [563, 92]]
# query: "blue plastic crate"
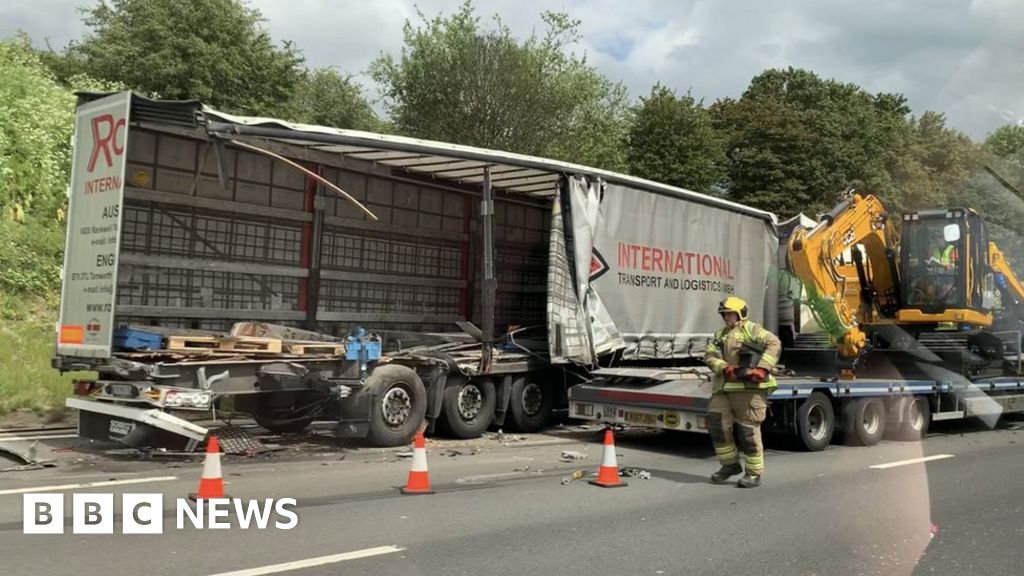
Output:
[[352, 348], [127, 339]]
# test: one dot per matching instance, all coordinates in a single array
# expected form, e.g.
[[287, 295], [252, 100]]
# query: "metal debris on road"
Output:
[[635, 473], [238, 440], [403, 454], [570, 455], [26, 456]]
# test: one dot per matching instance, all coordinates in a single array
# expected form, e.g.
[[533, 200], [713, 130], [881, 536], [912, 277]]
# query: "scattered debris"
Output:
[[522, 469], [404, 454], [570, 455], [26, 456], [452, 453], [506, 439], [575, 476], [635, 473]]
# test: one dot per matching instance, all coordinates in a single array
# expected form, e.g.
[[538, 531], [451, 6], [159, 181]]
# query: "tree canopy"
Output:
[[672, 140], [215, 51], [323, 96], [457, 81]]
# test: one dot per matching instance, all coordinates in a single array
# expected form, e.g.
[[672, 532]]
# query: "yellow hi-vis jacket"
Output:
[[725, 350]]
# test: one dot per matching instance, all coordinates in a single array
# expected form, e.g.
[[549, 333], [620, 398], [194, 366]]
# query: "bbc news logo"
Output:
[[94, 513]]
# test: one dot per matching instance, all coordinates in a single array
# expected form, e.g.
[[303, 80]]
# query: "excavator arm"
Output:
[[844, 291], [1009, 283]]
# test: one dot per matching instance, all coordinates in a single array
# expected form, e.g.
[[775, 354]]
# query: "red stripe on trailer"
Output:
[[617, 395]]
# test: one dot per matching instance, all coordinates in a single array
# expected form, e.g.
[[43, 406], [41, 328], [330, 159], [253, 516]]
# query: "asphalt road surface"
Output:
[[501, 507]]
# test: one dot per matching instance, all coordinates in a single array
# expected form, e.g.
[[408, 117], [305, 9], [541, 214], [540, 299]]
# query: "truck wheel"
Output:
[[400, 404], [468, 407], [864, 421], [815, 422], [530, 404], [915, 415], [274, 411]]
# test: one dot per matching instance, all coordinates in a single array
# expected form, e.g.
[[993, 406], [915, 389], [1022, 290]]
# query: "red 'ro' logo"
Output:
[[105, 131]]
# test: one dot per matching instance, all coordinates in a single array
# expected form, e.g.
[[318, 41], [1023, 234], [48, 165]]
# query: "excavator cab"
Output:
[[945, 274]]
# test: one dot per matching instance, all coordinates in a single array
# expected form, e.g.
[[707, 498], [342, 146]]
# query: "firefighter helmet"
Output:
[[733, 304]]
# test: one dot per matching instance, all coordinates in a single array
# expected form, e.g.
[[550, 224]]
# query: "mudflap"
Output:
[[354, 415]]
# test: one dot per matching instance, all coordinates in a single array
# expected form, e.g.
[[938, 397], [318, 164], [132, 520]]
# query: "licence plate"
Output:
[[641, 418], [122, 390]]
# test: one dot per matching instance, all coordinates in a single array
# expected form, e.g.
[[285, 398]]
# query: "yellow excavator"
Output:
[[940, 274]]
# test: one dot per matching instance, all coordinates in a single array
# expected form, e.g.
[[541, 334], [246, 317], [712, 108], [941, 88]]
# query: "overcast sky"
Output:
[[961, 57]]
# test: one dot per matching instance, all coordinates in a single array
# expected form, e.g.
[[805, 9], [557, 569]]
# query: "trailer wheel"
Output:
[[400, 404], [530, 404], [468, 407], [864, 421], [915, 415], [816, 422]]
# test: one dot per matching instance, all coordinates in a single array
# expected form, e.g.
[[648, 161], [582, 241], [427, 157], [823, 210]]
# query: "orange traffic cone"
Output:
[[419, 477], [211, 484], [608, 473]]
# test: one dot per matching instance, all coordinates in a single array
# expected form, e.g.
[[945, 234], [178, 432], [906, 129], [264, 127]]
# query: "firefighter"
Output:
[[741, 357]]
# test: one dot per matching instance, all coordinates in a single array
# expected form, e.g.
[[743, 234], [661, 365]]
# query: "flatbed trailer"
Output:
[[861, 411]]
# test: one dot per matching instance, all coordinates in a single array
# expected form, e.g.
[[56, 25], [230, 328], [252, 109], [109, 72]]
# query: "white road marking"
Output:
[[309, 562], [88, 485], [910, 461], [22, 438]]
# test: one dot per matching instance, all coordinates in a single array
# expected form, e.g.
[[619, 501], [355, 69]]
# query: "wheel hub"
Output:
[[471, 400], [396, 405], [816, 422], [533, 399], [871, 419], [916, 418]]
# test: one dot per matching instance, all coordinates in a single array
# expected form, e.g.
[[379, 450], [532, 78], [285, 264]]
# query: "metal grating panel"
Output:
[[180, 232]]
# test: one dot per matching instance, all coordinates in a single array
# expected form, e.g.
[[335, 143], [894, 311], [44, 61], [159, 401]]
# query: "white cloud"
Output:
[[948, 55]]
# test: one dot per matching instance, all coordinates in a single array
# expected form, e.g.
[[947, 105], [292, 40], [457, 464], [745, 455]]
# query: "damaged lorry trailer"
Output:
[[369, 283]]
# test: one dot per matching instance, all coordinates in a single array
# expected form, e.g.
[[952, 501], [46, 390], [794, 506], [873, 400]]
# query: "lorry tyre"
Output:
[[915, 415], [530, 404], [274, 412], [815, 422], [468, 407], [864, 421], [399, 404]]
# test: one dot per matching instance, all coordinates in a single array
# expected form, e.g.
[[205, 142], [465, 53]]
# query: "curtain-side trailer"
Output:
[[221, 263]]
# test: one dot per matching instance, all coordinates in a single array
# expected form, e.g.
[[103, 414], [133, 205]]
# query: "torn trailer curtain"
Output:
[[641, 274]]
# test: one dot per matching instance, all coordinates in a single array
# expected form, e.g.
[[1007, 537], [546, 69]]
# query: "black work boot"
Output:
[[725, 472], [749, 481]]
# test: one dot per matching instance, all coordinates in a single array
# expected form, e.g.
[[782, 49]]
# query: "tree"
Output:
[[458, 82], [36, 123], [1006, 141], [795, 141], [672, 140], [212, 50], [325, 97]]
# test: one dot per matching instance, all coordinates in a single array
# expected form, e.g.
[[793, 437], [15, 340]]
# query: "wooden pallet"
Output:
[[244, 344], [302, 348]]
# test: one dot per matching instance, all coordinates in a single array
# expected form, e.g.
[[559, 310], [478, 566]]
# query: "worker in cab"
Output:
[[942, 253], [742, 355]]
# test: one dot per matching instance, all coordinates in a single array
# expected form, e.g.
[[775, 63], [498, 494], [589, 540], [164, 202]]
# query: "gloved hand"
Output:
[[730, 372], [757, 375]]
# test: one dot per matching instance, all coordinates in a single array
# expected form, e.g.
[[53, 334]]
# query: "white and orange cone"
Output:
[[608, 473], [211, 484], [419, 477]]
